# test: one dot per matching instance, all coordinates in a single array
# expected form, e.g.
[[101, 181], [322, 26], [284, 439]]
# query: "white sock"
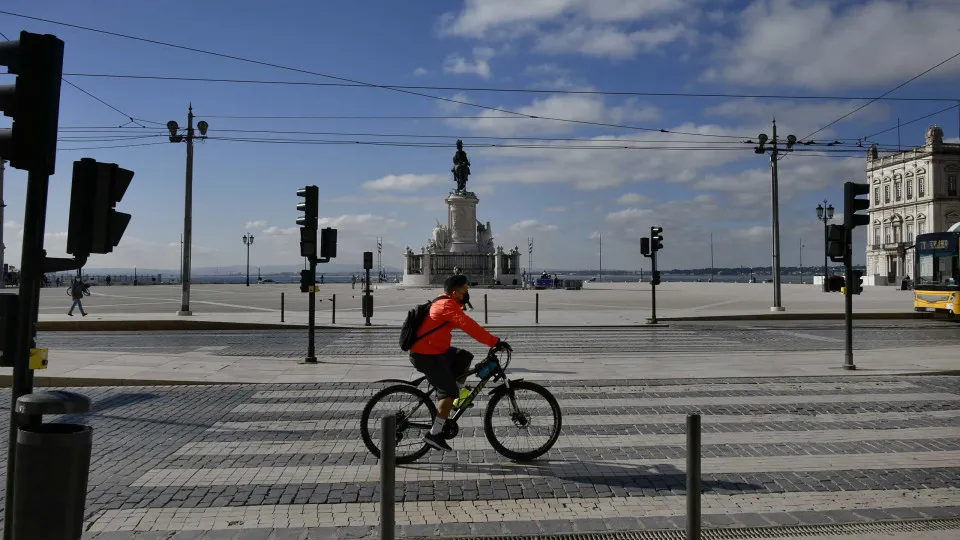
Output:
[[437, 425]]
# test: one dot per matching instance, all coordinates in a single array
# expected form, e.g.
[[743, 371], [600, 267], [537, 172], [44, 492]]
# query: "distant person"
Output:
[[321, 279], [77, 290], [353, 281], [108, 280]]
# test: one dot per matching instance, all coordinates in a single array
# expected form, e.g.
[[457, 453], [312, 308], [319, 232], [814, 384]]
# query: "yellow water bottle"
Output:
[[462, 400]]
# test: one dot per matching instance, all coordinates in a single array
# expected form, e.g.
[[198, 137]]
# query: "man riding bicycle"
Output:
[[444, 366]]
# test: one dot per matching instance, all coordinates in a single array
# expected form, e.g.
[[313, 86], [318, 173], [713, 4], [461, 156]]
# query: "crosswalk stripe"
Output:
[[474, 421], [630, 402], [181, 477], [347, 514], [661, 389], [237, 448]]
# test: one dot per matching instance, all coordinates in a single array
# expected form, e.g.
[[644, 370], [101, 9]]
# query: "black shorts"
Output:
[[443, 370]]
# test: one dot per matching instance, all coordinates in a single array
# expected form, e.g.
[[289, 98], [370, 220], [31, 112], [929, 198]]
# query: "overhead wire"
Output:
[[901, 124], [129, 117], [348, 80], [501, 90]]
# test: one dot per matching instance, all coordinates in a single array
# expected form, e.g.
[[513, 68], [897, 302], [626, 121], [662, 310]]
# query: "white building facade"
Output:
[[912, 192]]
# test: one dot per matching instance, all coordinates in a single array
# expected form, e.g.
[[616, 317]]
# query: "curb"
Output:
[[187, 325], [78, 382]]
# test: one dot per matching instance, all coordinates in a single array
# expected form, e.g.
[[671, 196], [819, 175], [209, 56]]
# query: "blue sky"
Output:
[[563, 197]]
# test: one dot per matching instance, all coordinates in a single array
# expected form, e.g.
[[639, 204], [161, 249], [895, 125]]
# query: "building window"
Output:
[[921, 186], [898, 188], [897, 233], [886, 194], [876, 196], [876, 236], [909, 238], [887, 237], [909, 189], [921, 226], [952, 185]]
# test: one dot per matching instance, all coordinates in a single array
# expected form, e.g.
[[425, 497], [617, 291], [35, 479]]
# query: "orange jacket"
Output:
[[442, 310]]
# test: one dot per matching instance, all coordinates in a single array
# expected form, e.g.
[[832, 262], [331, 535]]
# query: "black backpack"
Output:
[[415, 318]]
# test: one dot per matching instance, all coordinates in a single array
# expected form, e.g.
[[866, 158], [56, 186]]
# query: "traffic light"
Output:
[[33, 101], [367, 260], [656, 238], [656, 279], [95, 226], [836, 242], [307, 280], [857, 286], [328, 243], [308, 222], [851, 205], [645, 247]]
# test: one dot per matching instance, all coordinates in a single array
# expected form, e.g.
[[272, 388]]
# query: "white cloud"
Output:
[[632, 198], [531, 225], [799, 117], [628, 215], [277, 231], [403, 182], [258, 224], [481, 17], [420, 71], [453, 105], [581, 108], [480, 65], [363, 224], [822, 44], [610, 41], [590, 27]]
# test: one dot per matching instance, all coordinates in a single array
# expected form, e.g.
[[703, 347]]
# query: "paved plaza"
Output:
[[596, 304], [287, 459]]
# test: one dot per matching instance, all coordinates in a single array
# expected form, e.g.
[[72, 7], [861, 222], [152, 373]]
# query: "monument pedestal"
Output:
[[462, 220]]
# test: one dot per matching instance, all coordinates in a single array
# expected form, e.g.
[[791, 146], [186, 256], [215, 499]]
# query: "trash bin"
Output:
[[905, 284], [51, 469]]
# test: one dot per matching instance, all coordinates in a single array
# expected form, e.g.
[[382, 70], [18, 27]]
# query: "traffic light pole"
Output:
[[312, 315], [366, 293], [31, 271], [653, 288], [848, 300]]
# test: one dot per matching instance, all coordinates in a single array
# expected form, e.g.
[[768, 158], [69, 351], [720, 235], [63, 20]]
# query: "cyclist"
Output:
[[445, 366]]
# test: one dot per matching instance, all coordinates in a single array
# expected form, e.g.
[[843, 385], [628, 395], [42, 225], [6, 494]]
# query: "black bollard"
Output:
[[536, 310], [333, 310], [485, 319], [281, 307], [388, 441], [693, 477]]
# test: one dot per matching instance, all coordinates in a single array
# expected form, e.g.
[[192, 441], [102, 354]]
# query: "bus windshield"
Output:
[[938, 262]]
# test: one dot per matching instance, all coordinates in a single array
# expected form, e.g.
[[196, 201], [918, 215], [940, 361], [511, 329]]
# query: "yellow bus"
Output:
[[937, 272]]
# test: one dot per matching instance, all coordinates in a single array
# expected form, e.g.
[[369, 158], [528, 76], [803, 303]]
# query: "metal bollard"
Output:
[[536, 312], [485, 320], [388, 441], [281, 307], [693, 477], [333, 310]]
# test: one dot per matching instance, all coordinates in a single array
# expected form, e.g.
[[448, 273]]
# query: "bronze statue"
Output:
[[461, 167]]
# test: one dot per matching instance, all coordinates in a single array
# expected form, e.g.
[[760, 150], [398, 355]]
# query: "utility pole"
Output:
[[775, 196], [175, 137], [248, 241], [711, 258], [801, 261], [601, 256]]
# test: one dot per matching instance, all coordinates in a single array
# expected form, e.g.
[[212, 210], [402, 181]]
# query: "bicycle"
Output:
[[412, 429]]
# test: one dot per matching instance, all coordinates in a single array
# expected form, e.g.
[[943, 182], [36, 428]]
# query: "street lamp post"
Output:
[[825, 214], [176, 137], [775, 151], [248, 241]]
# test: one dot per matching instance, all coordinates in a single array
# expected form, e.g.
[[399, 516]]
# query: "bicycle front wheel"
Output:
[[522, 422], [414, 412]]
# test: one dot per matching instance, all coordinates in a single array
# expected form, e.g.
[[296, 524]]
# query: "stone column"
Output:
[[462, 220]]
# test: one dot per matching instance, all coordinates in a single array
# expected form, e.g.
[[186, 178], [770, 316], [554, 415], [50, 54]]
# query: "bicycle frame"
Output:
[[498, 373]]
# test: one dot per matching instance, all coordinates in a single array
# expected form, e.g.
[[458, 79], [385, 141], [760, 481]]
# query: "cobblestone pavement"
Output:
[[678, 337], [254, 460]]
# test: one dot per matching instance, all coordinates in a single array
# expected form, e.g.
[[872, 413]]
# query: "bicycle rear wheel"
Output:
[[527, 410], [415, 414]]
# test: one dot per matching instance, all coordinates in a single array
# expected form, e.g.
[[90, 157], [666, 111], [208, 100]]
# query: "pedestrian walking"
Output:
[[77, 290]]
